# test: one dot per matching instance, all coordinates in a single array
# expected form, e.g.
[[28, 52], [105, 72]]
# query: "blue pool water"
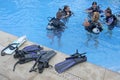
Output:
[[29, 17]]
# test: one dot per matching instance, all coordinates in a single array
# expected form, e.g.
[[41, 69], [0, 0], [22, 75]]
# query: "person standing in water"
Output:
[[110, 20], [93, 29], [55, 28]]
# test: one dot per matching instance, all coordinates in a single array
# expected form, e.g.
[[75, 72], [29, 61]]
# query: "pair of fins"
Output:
[[70, 61]]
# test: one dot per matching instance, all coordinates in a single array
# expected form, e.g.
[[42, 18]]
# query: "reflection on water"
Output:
[[51, 34]]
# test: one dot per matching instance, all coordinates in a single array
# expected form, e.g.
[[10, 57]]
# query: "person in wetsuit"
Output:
[[55, 28], [110, 20], [93, 28]]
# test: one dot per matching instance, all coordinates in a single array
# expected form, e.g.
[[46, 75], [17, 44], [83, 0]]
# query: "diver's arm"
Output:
[[68, 14], [89, 10]]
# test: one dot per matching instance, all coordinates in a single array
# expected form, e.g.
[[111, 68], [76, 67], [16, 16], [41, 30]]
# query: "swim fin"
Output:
[[70, 61], [10, 49]]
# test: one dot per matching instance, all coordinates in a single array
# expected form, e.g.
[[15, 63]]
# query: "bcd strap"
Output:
[[42, 65], [22, 61]]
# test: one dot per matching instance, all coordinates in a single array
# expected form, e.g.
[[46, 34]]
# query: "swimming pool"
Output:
[[29, 17]]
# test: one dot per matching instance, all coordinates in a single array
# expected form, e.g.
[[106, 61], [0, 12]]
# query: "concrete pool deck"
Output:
[[83, 71]]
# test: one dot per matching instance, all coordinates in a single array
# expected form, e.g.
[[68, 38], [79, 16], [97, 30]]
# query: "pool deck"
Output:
[[83, 71]]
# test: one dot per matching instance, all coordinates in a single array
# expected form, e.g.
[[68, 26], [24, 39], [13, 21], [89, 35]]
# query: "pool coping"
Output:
[[83, 71]]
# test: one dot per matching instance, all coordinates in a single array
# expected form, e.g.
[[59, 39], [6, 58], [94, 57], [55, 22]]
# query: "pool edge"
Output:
[[84, 71]]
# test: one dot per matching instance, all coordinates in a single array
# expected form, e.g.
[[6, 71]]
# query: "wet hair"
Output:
[[65, 7], [108, 10], [58, 15], [94, 3], [95, 16]]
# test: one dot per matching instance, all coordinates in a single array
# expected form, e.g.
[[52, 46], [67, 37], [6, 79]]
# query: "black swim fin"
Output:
[[43, 61]]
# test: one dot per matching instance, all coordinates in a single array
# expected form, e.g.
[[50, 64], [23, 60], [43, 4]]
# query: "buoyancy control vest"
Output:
[[55, 23], [94, 27]]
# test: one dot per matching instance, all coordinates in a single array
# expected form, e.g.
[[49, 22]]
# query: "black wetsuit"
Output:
[[112, 20]]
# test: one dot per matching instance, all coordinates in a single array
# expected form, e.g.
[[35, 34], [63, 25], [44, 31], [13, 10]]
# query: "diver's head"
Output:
[[94, 4], [95, 16], [59, 15], [66, 8], [108, 13]]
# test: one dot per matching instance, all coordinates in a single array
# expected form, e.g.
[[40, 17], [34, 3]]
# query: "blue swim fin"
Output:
[[70, 61]]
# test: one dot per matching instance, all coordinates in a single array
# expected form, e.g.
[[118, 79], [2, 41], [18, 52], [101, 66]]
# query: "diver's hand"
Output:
[[67, 14]]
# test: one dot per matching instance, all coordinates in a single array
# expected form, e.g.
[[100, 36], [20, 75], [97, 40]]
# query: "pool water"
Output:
[[29, 17]]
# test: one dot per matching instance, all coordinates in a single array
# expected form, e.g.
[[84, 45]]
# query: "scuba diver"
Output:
[[55, 28], [92, 9], [66, 13], [93, 28], [110, 20]]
